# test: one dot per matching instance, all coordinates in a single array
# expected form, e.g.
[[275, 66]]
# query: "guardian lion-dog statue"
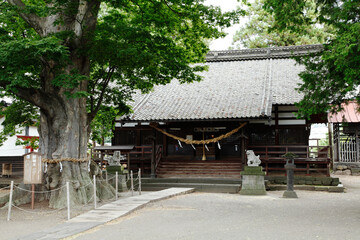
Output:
[[253, 160]]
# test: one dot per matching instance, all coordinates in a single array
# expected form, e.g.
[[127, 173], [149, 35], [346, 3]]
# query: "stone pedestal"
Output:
[[253, 181]]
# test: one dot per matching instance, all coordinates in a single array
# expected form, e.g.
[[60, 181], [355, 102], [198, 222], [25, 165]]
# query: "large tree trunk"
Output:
[[64, 137], [64, 125]]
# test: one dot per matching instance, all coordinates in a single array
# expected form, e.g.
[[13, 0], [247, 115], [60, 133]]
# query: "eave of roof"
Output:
[[263, 53]]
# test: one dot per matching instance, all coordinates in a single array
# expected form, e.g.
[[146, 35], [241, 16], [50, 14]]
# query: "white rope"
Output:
[[61, 168], [37, 212], [104, 180], [53, 190], [87, 184], [5, 188]]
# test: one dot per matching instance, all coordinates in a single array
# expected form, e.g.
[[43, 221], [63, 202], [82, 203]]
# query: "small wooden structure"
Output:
[[100, 151], [6, 169], [33, 172]]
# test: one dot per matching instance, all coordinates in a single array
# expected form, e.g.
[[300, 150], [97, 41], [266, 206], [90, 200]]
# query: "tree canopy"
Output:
[[333, 75], [261, 30], [69, 60], [130, 44]]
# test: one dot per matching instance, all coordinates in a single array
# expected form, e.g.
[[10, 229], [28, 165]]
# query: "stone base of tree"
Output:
[[253, 182]]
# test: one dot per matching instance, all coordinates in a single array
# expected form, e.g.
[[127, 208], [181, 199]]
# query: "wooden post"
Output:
[[32, 195], [68, 199], [10, 199], [153, 152], [277, 135], [132, 183], [116, 185], [128, 162], [139, 181], [243, 148], [94, 179]]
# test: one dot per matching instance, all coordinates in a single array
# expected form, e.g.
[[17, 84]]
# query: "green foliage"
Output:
[[19, 114], [32, 142], [104, 123], [131, 44], [289, 156], [263, 31], [332, 76]]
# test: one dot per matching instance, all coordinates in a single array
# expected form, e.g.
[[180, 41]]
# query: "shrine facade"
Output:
[[246, 101]]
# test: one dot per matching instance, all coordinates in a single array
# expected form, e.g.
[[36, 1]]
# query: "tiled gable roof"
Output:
[[234, 87]]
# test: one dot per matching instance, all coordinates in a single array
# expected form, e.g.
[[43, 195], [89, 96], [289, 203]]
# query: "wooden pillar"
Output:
[[330, 142], [164, 145], [357, 144], [153, 152], [277, 136], [138, 137], [243, 147]]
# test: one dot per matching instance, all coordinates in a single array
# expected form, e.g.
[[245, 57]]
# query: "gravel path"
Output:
[[315, 215]]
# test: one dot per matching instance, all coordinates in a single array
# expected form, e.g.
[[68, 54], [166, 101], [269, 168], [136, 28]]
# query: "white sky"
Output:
[[226, 5]]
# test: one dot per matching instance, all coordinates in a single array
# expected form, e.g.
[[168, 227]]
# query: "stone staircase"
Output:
[[199, 169], [214, 185]]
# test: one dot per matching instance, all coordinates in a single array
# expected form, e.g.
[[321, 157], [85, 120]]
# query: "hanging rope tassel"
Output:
[[89, 165], [61, 168], [193, 147], [219, 145], [45, 170]]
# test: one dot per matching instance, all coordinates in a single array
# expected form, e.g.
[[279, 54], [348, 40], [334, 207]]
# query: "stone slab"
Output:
[[103, 214]]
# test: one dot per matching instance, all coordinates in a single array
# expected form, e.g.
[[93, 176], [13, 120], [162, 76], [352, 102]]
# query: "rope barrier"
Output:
[[53, 190], [90, 183], [42, 212], [188, 141], [47, 160], [8, 187], [104, 180]]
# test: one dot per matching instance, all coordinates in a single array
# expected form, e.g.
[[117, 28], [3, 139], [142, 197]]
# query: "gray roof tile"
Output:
[[230, 89]]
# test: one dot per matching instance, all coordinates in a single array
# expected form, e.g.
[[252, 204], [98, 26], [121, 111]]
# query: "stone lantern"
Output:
[[290, 166]]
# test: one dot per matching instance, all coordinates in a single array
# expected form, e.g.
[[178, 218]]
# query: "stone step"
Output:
[[210, 171], [197, 175], [200, 187], [192, 180]]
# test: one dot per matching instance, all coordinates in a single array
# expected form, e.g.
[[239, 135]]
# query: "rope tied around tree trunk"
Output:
[[46, 160], [198, 142]]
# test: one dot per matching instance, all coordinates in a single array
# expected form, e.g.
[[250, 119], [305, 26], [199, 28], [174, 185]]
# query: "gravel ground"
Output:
[[314, 215], [25, 221]]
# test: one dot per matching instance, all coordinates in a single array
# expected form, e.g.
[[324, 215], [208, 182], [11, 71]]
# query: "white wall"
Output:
[[9, 148]]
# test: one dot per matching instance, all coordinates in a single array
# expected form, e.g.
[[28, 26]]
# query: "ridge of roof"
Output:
[[262, 53]]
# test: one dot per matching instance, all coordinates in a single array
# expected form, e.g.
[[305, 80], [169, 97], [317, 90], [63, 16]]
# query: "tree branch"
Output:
[[174, 11], [32, 19], [92, 114], [33, 96]]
